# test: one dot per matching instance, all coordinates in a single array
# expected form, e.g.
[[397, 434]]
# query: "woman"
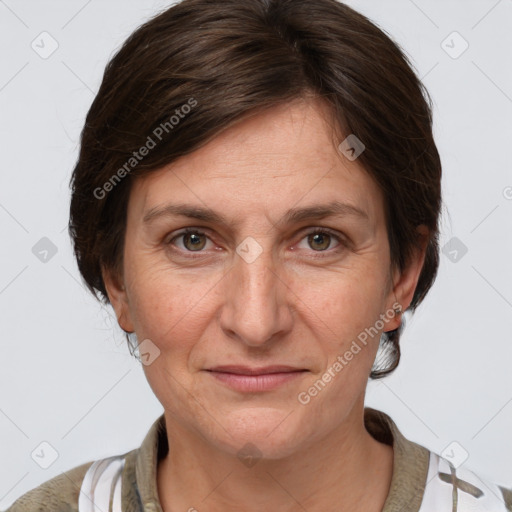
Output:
[[257, 196]]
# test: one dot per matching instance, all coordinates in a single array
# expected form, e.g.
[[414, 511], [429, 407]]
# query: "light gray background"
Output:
[[66, 376]]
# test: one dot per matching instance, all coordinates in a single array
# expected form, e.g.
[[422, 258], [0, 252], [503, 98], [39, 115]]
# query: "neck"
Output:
[[195, 475]]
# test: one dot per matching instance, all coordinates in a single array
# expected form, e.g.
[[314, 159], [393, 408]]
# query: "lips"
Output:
[[247, 379], [246, 370]]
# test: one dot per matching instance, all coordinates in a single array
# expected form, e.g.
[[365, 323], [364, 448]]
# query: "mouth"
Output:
[[255, 379]]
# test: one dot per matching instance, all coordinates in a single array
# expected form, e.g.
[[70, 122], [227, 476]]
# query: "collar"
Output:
[[410, 466], [410, 463]]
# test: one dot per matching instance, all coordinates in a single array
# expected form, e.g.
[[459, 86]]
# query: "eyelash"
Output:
[[326, 231]]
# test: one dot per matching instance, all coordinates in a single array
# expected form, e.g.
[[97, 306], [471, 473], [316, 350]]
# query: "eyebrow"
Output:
[[294, 215]]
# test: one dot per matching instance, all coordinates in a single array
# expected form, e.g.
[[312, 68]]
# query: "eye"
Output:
[[193, 240], [321, 239]]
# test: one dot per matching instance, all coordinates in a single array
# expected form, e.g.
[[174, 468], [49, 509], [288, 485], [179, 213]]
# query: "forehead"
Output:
[[276, 159]]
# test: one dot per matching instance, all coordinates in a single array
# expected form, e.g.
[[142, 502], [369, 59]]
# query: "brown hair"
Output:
[[226, 59]]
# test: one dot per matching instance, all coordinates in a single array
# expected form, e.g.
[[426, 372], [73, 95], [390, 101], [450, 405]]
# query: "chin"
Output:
[[262, 432]]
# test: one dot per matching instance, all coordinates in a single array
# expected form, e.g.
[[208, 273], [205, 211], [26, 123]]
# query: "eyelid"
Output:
[[187, 230]]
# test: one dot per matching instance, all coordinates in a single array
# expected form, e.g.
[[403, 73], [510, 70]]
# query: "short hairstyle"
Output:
[[200, 66]]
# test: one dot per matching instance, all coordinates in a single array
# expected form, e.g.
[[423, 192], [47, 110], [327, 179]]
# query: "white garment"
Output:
[[446, 490], [101, 486], [458, 490]]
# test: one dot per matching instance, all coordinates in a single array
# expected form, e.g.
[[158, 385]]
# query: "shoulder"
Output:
[[424, 481], [59, 494], [463, 488], [102, 482]]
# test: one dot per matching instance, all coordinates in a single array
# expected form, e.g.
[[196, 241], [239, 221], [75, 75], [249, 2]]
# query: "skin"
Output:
[[295, 304]]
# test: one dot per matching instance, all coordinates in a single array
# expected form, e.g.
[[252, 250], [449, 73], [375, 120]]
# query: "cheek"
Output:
[[168, 307], [341, 313], [342, 303]]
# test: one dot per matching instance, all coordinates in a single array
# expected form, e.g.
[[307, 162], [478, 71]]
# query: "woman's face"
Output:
[[252, 289]]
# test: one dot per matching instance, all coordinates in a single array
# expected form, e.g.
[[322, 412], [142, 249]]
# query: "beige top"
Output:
[[421, 480]]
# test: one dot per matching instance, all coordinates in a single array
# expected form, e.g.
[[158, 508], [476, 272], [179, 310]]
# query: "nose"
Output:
[[256, 309]]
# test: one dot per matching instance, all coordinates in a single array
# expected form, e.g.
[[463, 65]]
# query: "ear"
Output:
[[404, 283], [118, 298]]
